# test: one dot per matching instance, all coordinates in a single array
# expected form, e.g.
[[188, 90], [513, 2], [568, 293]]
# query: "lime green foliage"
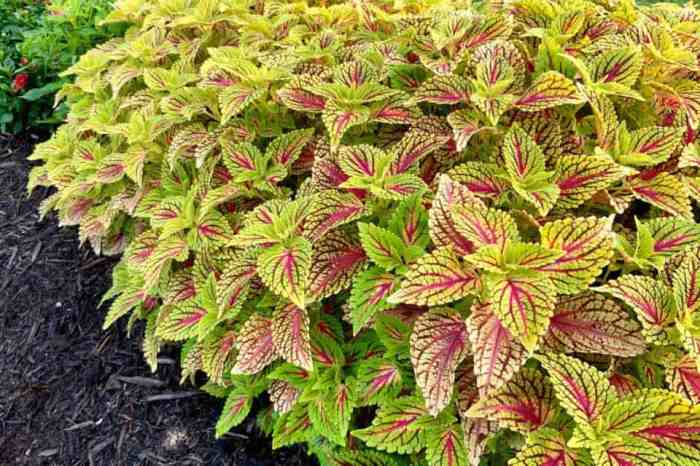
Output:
[[431, 233], [39, 40]]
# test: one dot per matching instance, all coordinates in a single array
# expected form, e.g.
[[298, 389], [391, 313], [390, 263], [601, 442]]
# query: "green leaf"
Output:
[[382, 246]]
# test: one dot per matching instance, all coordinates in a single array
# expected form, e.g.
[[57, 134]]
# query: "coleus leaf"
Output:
[[436, 278], [336, 261], [236, 408], [330, 413], [283, 395], [684, 378], [482, 179], [291, 427], [674, 429], [672, 234], [442, 227], [476, 430], [592, 323], [587, 246], [582, 390], [234, 99], [664, 191], [217, 354], [410, 222], [180, 322], [620, 66], [546, 447], [380, 381], [338, 120], [524, 304], [411, 149], [497, 355], [551, 89], [445, 446], [255, 346], [295, 96], [484, 226], [443, 89], [523, 158], [234, 282], [290, 335], [285, 149], [397, 427], [382, 246], [627, 450], [363, 160], [685, 283], [284, 268], [464, 126], [369, 295], [525, 403], [579, 177], [651, 300], [648, 146], [438, 344], [331, 209], [167, 250]]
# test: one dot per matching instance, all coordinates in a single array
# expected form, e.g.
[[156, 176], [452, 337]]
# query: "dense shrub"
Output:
[[430, 233], [38, 42]]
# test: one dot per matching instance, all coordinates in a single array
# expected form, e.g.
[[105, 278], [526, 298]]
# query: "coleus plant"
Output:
[[423, 232]]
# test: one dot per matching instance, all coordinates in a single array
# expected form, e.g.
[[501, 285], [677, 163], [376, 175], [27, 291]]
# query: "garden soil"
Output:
[[73, 394]]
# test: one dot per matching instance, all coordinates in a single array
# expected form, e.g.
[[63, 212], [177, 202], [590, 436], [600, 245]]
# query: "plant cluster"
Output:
[[39, 41], [427, 233]]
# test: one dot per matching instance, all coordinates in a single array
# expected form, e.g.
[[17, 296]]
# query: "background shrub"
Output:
[[39, 40], [430, 233]]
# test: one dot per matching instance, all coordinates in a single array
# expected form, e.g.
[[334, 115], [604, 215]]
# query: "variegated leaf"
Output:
[[579, 177], [464, 125], [446, 446], [436, 278], [546, 447], [442, 227], [236, 408], [684, 378], [445, 90], [551, 89], [591, 323], [524, 304], [587, 246], [234, 283], [255, 347], [369, 295], [651, 300], [497, 355], [330, 209], [285, 269], [338, 120], [438, 344], [525, 403], [283, 395], [336, 261], [621, 66], [397, 427], [583, 391], [290, 335], [664, 191], [382, 246], [523, 158], [484, 226], [672, 234], [675, 429], [482, 179]]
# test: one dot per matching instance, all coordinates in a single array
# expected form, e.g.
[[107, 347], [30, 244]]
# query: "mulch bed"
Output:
[[72, 394]]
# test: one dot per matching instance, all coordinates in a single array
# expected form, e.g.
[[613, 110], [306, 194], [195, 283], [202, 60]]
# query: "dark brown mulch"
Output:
[[71, 394]]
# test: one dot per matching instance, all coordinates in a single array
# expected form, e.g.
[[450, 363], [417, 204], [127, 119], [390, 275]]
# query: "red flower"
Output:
[[20, 82]]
